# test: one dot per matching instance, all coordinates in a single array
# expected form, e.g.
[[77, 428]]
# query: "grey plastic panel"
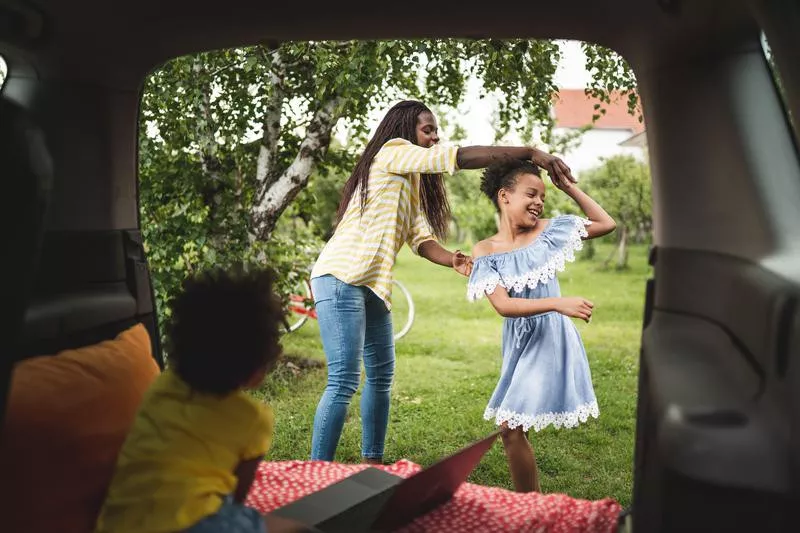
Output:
[[75, 312], [726, 174], [713, 425], [92, 131]]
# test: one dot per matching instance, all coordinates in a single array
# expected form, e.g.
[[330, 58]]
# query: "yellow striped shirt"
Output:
[[363, 249]]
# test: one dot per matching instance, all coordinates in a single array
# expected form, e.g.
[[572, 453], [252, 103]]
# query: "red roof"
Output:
[[574, 109]]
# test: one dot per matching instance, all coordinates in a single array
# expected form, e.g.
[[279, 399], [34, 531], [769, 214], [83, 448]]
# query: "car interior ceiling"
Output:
[[718, 417]]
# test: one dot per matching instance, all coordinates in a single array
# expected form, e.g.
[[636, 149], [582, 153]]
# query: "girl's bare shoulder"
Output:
[[485, 247]]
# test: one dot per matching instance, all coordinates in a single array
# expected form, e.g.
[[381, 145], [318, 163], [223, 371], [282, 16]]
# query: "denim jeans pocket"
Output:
[[325, 288]]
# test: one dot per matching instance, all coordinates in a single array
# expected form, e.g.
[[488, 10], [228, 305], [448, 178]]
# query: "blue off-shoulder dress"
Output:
[[545, 378]]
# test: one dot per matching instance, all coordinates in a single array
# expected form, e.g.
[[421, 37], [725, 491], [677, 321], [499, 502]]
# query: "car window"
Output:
[[3, 71], [776, 76]]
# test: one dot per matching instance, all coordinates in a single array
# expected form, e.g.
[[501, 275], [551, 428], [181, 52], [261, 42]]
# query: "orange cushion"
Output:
[[67, 418]]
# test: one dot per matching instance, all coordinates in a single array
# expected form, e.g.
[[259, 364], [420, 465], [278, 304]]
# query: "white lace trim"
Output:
[[477, 289], [568, 419], [543, 274]]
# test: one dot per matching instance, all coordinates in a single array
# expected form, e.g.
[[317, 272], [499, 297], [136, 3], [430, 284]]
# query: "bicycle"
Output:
[[301, 307]]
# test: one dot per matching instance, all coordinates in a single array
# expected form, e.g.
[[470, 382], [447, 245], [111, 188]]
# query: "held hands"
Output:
[[575, 307], [462, 263], [559, 172]]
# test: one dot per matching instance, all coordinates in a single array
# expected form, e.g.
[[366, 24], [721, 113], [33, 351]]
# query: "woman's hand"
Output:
[[559, 172], [575, 307], [462, 263], [567, 187]]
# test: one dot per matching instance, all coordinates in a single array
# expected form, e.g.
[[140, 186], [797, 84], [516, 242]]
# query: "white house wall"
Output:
[[597, 144]]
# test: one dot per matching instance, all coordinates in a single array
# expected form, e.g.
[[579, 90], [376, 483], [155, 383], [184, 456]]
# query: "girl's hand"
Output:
[[575, 307], [462, 263], [559, 172], [567, 187]]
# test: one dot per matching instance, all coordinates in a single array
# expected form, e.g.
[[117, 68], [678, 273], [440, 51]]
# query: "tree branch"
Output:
[[213, 74], [205, 135], [266, 171], [277, 197], [209, 156]]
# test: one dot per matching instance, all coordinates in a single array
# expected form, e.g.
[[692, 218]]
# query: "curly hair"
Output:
[[503, 175], [224, 329]]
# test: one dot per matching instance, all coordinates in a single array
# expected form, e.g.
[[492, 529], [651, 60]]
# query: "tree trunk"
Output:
[[267, 172], [589, 250], [622, 249], [274, 197], [214, 182]]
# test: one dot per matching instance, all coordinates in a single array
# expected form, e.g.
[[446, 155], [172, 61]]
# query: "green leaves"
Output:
[[622, 186], [473, 212], [610, 73]]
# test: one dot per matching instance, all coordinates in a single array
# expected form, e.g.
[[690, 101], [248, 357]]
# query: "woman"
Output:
[[395, 195]]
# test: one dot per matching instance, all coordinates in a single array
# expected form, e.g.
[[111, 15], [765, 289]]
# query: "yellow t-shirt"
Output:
[[363, 249], [178, 460]]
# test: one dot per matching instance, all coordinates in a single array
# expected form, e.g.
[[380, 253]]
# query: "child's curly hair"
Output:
[[224, 329], [503, 174]]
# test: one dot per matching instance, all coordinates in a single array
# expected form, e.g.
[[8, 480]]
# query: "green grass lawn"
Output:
[[447, 367]]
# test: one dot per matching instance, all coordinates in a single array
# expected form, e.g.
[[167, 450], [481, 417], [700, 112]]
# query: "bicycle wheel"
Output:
[[402, 311], [299, 307]]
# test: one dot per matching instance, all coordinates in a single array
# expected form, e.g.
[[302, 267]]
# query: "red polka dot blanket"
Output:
[[474, 508]]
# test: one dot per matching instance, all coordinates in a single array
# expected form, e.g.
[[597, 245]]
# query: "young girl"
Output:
[[545, 376], [395, 195], [191, 455]]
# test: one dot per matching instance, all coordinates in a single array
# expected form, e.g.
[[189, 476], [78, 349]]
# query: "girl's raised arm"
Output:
[[602, 223]]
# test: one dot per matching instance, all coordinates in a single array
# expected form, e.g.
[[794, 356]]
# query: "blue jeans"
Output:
[[232, 517], [354, 324]]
